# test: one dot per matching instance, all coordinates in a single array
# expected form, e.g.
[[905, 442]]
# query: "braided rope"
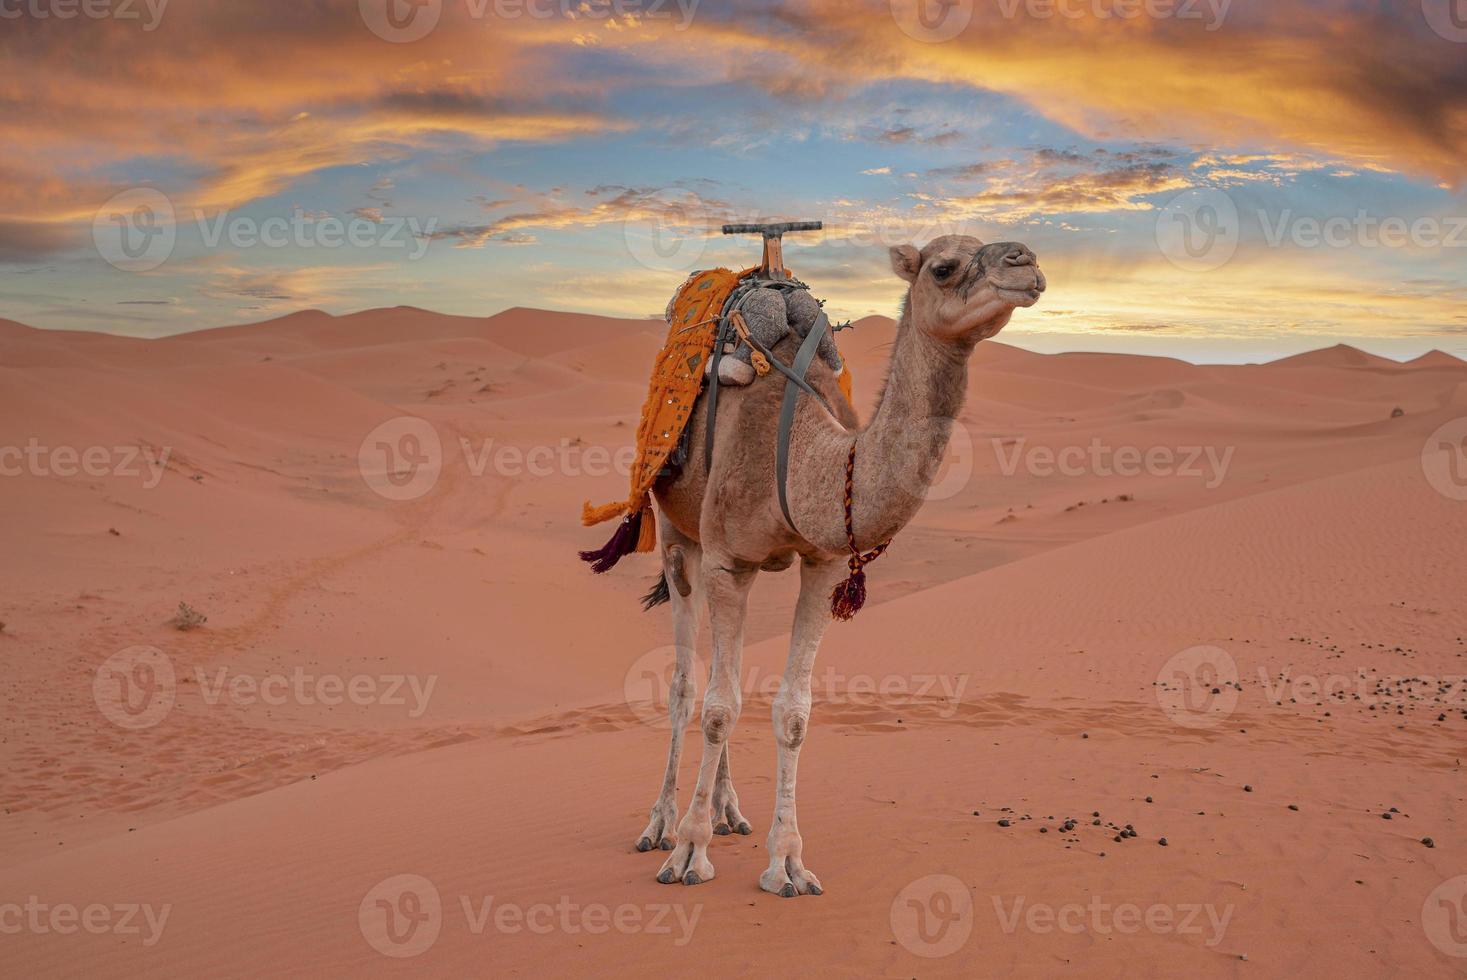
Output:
[[849, 596], [857, 559]]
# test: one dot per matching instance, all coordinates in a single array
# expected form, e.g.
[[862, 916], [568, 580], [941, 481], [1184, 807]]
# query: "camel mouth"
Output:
[[1021, 297], [1023, 289]]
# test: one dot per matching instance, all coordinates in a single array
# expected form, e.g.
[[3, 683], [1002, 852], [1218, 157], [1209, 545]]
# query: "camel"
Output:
[[720, 527]]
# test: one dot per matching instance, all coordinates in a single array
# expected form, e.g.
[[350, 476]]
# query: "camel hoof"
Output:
[[814, 890], [722, 830], [667, 876], [665, 845], [744, 829], [691, 878], [644, 845], [788, 891]]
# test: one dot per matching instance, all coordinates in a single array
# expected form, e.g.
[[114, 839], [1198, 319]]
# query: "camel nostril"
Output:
[[1019, 256]]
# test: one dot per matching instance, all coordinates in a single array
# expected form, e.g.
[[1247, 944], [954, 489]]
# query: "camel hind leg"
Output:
[[681, 557], [726, 582]]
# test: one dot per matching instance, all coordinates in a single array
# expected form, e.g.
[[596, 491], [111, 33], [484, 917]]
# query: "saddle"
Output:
[[714, 315]]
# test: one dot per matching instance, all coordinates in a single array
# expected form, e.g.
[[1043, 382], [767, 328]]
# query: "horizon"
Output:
[[1047, 345]]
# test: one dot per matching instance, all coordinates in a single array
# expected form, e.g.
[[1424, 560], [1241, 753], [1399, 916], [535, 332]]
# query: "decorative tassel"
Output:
[[622, 543], [647, 539], [848, 597]]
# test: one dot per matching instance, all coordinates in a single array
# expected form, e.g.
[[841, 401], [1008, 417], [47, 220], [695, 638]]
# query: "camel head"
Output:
[[964, 291]]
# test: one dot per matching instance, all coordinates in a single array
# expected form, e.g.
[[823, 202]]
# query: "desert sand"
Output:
[[1253, 645]]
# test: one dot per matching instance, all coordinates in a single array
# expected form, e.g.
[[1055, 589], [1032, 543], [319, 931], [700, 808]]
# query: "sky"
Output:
[[1218, 180]]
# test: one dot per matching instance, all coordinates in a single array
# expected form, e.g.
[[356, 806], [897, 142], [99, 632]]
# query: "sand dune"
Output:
[[1140, 586]]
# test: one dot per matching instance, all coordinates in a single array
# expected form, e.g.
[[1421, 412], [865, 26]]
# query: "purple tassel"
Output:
[[849, 596], [622, 543]]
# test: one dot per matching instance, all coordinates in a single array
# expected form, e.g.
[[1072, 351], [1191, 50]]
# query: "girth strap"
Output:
[[794, 384], [796, 374]]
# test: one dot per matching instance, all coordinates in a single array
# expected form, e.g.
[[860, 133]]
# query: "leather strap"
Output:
[[713, 387], [787, 411]]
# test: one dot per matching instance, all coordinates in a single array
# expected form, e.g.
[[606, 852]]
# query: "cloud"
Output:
[[672, 210], [1362, 80], [910, 134], [1054, 181], [244, 103]]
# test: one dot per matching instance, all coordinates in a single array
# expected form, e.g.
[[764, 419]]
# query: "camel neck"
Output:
[[900, 451]]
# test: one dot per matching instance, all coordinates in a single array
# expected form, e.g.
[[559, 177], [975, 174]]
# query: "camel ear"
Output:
[[906, 262]]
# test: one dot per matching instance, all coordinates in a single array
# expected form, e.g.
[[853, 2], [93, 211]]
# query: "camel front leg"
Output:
[[726, 583], [787, 875]]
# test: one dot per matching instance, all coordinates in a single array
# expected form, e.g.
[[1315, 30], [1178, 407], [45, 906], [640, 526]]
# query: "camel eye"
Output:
[[943, 271]]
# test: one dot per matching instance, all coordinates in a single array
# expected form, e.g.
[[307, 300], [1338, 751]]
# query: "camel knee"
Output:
[[718, 723], [791, 725]]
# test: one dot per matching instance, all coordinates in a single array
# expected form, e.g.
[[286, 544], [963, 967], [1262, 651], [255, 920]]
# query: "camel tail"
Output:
[[658, 594]]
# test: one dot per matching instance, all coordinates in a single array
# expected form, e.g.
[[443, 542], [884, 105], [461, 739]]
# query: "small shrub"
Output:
[[187, 618]]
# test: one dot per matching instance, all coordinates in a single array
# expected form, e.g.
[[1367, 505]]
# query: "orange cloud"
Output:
[[1365, 81]]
